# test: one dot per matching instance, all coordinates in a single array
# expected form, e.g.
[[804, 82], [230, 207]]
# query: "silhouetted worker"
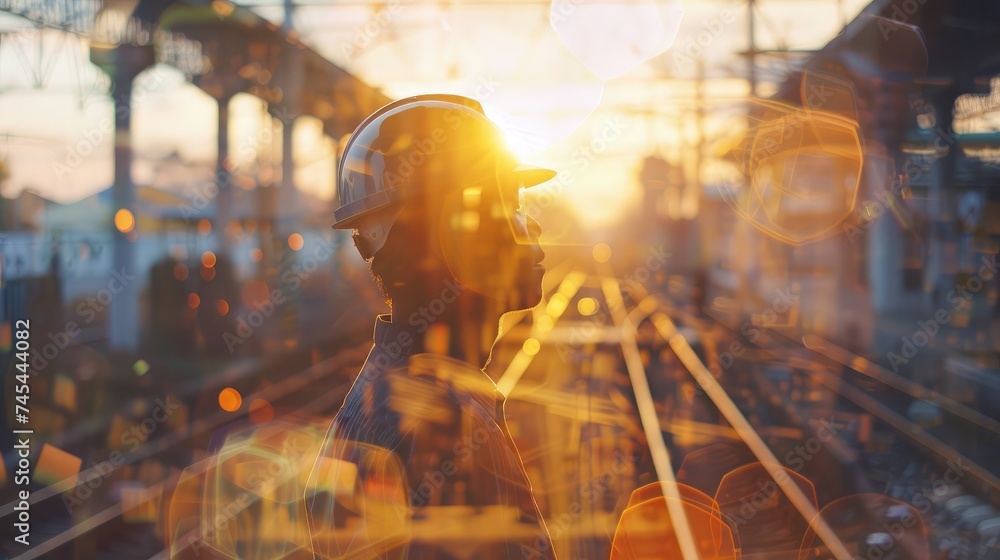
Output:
[[419, 463]]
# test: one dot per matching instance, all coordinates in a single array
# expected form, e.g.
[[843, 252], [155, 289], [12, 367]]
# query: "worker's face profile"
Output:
[[491, 245]]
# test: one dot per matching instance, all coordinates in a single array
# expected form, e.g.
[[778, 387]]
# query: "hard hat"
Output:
[[413, 147]]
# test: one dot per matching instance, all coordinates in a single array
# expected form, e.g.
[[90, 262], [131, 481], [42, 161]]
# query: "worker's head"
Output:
[[433, 195]]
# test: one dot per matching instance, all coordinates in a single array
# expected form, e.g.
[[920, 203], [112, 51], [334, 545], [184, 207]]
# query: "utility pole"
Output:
[[751, 49], [699, 153], [289, 6]]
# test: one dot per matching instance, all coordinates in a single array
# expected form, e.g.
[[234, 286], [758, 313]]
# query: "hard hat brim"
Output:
[[347, 216], [527, 175], [531, 175]]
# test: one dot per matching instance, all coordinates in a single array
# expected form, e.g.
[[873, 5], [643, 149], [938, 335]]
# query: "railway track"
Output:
[[771, 400], [918, 445]]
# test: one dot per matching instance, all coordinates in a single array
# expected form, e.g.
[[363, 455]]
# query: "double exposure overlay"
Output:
[[500, 279]]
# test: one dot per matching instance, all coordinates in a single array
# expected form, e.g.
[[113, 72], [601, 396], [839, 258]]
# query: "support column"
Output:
[[288, 199], [751, 49], [942, 258], [224, 199], [123, 323], [290, 79]]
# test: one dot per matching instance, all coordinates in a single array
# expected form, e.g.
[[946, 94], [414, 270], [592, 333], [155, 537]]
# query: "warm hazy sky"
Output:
[[548, 92]]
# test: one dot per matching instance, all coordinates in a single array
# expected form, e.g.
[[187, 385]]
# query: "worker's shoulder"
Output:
[[464, 382], [460, 376], [438, 388]]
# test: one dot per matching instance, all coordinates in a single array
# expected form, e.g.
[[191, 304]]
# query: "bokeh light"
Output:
[[208, 259], [586, 306], [124, 220], [544, 323], [602, 252], [230, 399], [140, 367], [531, 346], [254, 291], [261, 411], [556, 305], [694, 158], [180, 272]]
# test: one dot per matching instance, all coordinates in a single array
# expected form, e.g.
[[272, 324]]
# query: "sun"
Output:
[[518, 141]]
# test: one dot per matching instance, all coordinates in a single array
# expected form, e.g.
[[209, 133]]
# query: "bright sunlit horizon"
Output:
[[539, 91]]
